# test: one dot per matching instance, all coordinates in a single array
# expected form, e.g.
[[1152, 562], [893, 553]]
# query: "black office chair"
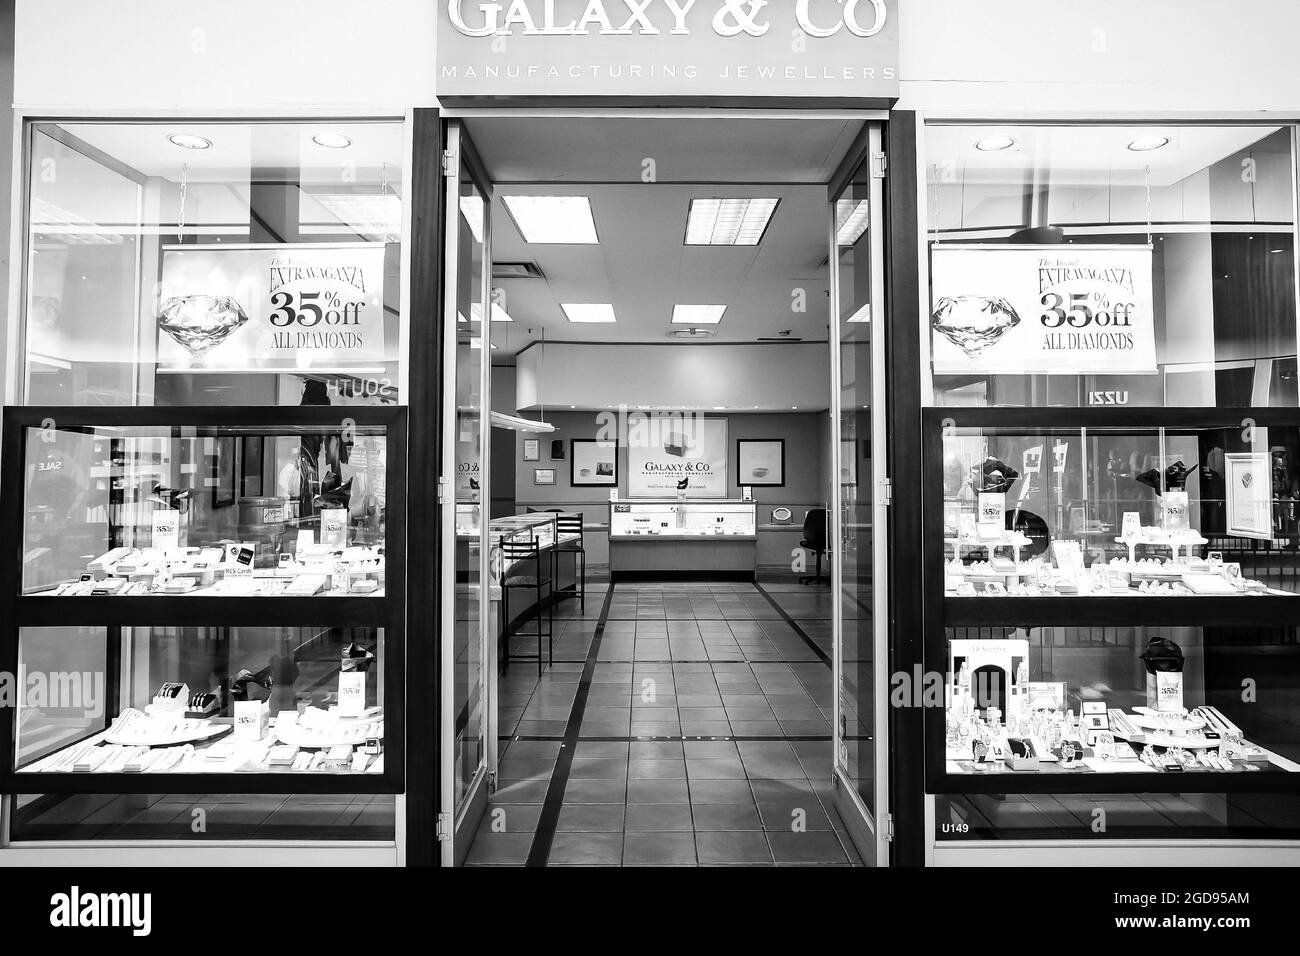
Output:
[[522, 561], [814, 540], [570, 524]]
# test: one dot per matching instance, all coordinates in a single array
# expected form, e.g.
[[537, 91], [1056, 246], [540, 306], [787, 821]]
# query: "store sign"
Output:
[[689, 461], [1249, 488], [674, 47], [1027, 310], [271, 307]]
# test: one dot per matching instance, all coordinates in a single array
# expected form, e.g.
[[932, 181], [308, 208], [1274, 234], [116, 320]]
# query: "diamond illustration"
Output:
[[199, 323], [973, 322]]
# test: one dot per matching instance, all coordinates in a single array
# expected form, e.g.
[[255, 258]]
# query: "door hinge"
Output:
[[886, 491], [448, 163], [492, 782], [879, 163], [444, 488], [445, 827], [888, 823]]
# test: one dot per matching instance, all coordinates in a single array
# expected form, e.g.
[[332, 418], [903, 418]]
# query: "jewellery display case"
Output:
[[165, 622], [1110, 601], [669, 518]]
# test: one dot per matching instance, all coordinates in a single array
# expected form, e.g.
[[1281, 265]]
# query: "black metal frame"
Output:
[[387, 612], [902, 447], [756, 441], [941, 612]]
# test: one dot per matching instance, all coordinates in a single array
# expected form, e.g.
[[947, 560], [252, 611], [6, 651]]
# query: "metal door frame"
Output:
[[878, 824], [455, 830]]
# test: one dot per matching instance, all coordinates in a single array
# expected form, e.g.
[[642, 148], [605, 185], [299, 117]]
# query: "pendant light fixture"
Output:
[[516, 422]]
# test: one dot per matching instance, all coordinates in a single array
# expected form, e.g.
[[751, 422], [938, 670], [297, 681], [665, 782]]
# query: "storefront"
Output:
[[282, 408]]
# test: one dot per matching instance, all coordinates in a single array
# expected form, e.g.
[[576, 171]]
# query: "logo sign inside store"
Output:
[[689, 47]]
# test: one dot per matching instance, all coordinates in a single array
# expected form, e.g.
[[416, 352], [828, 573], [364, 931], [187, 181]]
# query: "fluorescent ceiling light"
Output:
[[728, 222], [331, 140], [1144, 144], [588, 311], [553, 219], [498, 314], [993, 144], [698, 314], [189, 141], [851, 220], [471, 208]]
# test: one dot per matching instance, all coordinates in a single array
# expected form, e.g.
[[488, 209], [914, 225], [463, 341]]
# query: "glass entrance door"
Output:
[[859, 496], [466, 652]]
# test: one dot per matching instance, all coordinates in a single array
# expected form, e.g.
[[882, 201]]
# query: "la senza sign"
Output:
[[842, 48]]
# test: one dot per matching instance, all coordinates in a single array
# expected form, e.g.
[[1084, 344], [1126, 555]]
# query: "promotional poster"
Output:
[[311, 307], [1034, 310]]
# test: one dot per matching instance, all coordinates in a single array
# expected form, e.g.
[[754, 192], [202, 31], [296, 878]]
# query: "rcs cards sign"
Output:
[[1030, 310], [632, 48], [308, 307]]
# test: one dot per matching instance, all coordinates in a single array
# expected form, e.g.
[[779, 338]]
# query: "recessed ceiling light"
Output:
[[189, 141], [992, 144], [698, 314], [851, 220], [590, 312], [1144, 144], [555, 220], [331, 140], [728, 222]]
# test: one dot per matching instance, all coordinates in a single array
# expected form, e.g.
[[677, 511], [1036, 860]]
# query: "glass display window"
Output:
[[217, 510], [200, 700], [1110, 265], [215, 263]]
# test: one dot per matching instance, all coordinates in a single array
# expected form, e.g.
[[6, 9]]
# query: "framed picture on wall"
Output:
[[532, 449], [557, 449], [593, 463], [223, 492], [543, 476], [760, 462]]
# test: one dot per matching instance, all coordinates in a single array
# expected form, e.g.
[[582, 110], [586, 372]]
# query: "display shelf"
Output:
[[1074, 634], [205, 632]]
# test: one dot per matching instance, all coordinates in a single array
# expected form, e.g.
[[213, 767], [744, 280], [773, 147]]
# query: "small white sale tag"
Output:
[[352, 693]]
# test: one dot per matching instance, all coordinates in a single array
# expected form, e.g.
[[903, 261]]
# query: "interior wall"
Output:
[[806, 436], [674, 376]]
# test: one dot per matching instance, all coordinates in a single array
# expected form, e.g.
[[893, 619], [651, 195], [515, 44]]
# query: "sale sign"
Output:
[[302, 307], [1032, 310]]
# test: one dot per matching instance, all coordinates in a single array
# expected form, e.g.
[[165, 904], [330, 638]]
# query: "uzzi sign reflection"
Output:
[[863, 18]]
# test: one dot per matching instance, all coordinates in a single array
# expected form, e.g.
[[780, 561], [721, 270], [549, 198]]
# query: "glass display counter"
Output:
[[670, 518], [667, 538]]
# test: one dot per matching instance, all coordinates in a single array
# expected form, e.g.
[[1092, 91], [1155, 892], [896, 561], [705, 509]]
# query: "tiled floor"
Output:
[[696, 733]]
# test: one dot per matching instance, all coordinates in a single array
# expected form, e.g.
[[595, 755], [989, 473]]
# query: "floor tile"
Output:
[[658, 848], [589, 849], [733, 846]]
